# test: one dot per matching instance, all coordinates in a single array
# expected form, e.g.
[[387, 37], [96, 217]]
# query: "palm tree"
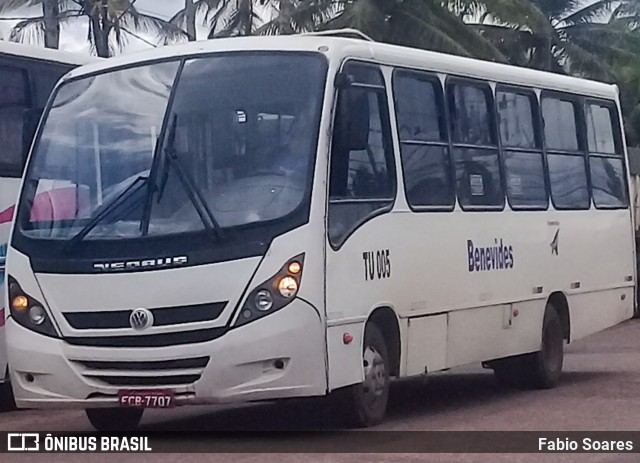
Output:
[[110, 22], [49, 22], [573, 37], [186, 18]]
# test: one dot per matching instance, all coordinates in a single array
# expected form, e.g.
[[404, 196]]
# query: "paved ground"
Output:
[[600, 392]]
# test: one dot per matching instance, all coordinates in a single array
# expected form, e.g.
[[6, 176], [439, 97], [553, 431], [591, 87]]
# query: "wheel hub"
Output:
[[375, 376]]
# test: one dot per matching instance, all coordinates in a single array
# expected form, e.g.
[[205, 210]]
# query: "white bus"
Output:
[[259, 218], [27, 77]]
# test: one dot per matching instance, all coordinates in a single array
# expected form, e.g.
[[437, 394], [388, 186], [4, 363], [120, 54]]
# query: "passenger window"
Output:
[[523, 157], [14, 104], [566, 162], [475, 153], [362, 179], [560, 125], [424, 147], [606, 163]]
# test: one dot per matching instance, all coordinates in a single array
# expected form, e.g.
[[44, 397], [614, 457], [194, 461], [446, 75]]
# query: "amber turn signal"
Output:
[[20, 303], [295, 267]]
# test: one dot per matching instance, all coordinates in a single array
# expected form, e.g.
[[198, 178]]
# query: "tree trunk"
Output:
[[51, 13], [190, 19], [100, 33]]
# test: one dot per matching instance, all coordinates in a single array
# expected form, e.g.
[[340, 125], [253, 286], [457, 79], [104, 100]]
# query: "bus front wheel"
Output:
[[114, 419], [365, 404]]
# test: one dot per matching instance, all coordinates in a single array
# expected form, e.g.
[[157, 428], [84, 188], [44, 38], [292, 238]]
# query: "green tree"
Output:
[[110, 22], [49, 23], [186, 18]]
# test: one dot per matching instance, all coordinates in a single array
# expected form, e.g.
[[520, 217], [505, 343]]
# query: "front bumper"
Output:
[[282, 355]]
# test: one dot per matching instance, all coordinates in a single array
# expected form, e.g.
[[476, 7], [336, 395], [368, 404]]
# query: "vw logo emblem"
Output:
[[141, 319]]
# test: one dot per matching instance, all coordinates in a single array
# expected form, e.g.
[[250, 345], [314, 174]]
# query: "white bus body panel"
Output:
[[241, 366], [9, 188]]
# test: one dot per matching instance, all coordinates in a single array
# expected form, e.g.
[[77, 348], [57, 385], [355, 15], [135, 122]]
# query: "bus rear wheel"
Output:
[[541, 369], [365, 404], [114, 419]]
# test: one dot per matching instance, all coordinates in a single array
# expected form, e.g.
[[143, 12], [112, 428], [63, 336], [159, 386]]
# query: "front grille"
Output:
[[147, 381], [162, 316], [198, 362], [148, 340], [149, 373]]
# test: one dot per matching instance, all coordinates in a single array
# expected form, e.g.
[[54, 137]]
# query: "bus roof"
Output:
[[44, 54], [339, 48]]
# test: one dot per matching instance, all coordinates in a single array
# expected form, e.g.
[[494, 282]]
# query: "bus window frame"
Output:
[[336, 245], [482, 84], [578, 104], [10, 170], [445, 142], [538, 128], [619, 143]]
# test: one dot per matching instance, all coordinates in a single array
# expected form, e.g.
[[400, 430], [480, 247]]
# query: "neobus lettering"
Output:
[[497, 257], [148, 263], [376, 265]]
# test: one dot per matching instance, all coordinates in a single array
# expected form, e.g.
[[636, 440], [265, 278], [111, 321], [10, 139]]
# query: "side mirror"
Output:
[[31, 119]]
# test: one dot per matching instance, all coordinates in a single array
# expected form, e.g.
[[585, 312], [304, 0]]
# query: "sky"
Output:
[[73, 37]]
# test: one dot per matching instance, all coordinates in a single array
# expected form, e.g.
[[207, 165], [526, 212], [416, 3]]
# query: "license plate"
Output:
[[150, 398]]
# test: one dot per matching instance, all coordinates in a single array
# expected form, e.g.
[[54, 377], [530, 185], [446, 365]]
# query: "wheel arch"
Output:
[[559, 301], [386, 320]]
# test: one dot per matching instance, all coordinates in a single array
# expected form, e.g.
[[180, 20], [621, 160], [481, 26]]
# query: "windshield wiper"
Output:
[[119, 200], [193, 192]]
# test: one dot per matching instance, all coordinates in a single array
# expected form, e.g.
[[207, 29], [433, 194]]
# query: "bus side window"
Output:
[[475, 150], [424, 144], [14, 103], [362, 179], [565, 155], [606, 161], [519, 122]]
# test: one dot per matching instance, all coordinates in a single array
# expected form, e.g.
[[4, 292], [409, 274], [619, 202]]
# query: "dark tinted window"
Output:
[[478, 178], [524, 172], [600, 129], [471, 114], [516, 114], [362, 179], [478, 175], [45, 79], [14, 102], [425, 153], [608, 182], [566, 161], [523, 158], [418, 107], [560, 124], [568, 178], [604, 140]]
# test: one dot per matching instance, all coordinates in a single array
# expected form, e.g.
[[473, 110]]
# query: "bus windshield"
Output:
[[208, 143]]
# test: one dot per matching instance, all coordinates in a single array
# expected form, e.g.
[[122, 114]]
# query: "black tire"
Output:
[[365, 404], [541, 369], [114, 419], [7, 401], [546, 364]]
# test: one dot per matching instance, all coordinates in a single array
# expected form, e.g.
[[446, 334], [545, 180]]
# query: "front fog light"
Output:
[[263, 300], [288, 286], [37, 315]]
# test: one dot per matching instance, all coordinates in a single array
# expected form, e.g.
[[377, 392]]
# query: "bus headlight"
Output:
[[28, 312], [288, 286], [263, 300], [274, 294]]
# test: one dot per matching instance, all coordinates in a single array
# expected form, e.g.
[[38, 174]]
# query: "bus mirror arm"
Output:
[[353, 119]]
